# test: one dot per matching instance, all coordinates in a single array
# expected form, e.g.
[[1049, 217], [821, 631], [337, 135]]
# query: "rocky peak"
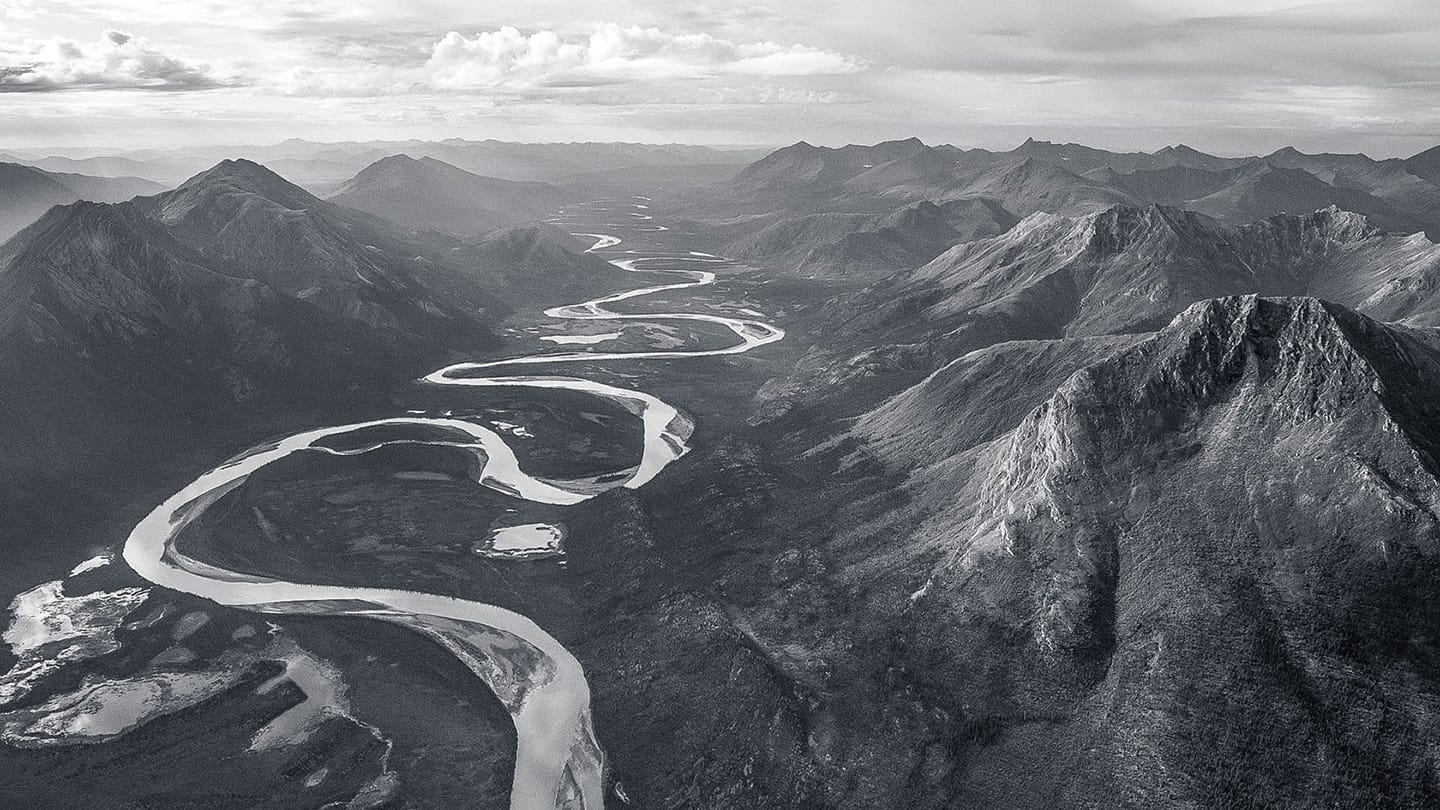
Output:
[[1120, 227], [1269, 364]]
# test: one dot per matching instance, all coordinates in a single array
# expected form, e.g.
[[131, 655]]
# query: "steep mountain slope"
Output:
[[1210, 556], [238, 293], [248, 222], [27, 192], [1129, 269], [858, 245], [428, 193], [976, 397]]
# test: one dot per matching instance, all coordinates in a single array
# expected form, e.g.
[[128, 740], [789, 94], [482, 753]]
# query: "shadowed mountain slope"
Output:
[[239, 290]]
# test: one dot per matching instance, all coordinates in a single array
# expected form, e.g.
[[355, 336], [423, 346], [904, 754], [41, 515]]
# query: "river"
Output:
[[558, 762]]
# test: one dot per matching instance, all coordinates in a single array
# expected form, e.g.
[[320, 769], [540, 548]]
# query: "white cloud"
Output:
[[115, 60], [613, 54]]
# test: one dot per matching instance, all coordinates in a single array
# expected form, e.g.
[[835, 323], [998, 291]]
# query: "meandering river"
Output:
[[558, 762]]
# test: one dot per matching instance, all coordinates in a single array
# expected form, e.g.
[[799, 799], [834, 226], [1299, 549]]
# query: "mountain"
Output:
[[1172, 185], [322, 167], [1264, 189], [1071, 179], [106, 166], [1080, 159], [238, 292], [1026, 186], [428, 193], [1188, 157], [858, 245], [1121, 271], [1132, 269], [535, 266], [1388, 180], [1425, 165], [1210, 554], [248, 222], [911, 170], [977, 397], [27, 192], [805, 169]]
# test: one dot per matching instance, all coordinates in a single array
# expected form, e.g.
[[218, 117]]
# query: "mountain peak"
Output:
[[400, 159], [399, 168], [241, 174], [227, 179], [1119, 227], [1302, 351], [1287, 151]]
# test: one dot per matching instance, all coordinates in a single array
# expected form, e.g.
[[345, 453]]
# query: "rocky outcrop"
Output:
[[1239, 512]]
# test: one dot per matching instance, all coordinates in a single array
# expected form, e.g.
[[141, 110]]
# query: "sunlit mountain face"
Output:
[[424, 406]]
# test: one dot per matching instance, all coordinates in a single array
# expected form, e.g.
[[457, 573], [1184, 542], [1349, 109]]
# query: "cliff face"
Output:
[[1239, 512]]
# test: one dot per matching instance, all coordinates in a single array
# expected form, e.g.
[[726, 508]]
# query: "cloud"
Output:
[[116, 60], [611, 54]]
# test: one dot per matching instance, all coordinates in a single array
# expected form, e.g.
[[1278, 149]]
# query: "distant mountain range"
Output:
[[322, 166], [27, 192], [1132, 269], [1118, 271], [1398, 196]]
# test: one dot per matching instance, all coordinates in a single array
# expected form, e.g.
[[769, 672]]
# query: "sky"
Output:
[[1227, 76]]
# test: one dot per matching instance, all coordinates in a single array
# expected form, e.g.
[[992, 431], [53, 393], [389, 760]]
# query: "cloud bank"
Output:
[[507, 57], [116, 60], [1238, 76]]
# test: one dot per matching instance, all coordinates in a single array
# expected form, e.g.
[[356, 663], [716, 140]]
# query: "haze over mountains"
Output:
[[27, 192], [1072, 180], [1080, 478], [326, 164]]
